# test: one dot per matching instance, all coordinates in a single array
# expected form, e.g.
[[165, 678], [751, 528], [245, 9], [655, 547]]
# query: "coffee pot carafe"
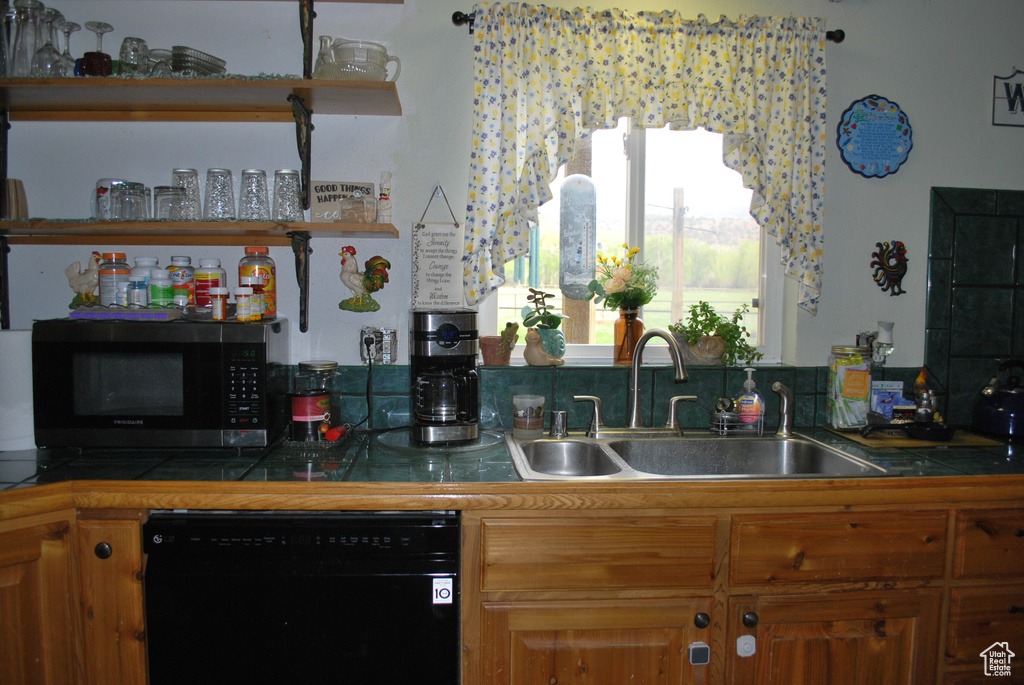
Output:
[[445, 384]]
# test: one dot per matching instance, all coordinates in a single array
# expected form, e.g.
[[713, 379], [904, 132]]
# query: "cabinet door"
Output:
[[110, 554], [980, 617], [836, 638], [38, 620], [605, 642]]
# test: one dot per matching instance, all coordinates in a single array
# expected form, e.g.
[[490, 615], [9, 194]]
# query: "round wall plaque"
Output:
[[874, 136]]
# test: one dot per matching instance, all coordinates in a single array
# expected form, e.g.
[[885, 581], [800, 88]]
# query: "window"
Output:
[[668, 193]]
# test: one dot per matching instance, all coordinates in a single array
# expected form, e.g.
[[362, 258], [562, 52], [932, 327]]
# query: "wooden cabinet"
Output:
[[839, 638], [588, 599], [110, 567], [39, 634]]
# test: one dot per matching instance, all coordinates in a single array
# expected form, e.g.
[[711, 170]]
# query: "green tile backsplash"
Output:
[[975, 311]]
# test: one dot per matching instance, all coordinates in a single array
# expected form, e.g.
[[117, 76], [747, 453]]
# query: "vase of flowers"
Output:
[[625, 283]]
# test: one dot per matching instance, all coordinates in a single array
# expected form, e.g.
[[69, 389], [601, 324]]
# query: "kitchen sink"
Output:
[[684, 458]]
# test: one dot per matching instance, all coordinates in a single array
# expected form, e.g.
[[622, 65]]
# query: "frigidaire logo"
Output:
[[128, 422]]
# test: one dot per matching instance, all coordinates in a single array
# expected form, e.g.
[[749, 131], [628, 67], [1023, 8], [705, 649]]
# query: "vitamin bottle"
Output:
[[219, 303], [161, 290], [208, 274], [257, 262], [258, 303], [183, 277], [138, 291], [113, 270], [143, 265], [243, 302]]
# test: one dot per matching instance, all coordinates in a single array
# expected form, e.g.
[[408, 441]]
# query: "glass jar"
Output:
[[316, 374], [849, 387]]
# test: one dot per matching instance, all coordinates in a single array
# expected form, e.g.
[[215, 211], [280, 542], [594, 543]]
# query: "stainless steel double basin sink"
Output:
[[702, 457]]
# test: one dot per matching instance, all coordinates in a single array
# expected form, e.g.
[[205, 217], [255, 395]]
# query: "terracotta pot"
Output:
[[489, 345]]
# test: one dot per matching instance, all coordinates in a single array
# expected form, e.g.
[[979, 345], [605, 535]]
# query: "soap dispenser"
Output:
[[749, 403]]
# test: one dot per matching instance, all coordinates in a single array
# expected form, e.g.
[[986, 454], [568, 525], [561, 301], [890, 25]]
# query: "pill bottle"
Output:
[[219, 303], [257, 304], [122, 294], [208, 274], [243, 303], [161, 290], [113, 270], [138, 291], [183, 277], [257, 262], [143, 265]]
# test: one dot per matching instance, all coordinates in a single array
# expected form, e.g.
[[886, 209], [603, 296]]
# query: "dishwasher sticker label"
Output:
[[444, 590]]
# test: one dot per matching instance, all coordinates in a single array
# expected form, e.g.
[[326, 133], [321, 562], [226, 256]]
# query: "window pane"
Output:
[[690, 194]]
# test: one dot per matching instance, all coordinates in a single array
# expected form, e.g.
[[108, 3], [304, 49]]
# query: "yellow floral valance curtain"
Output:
[[545, 77]]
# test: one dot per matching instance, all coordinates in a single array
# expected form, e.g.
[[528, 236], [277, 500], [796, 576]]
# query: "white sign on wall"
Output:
[[1008, 99], [437, 265]]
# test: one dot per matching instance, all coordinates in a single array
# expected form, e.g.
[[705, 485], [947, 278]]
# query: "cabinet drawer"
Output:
[[594, 553], [982, 616], [839, 547], [989, 543]]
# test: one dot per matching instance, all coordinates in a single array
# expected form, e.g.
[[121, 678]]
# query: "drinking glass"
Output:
[[132, 202], [169, 202], [220, 195], [287, 196], [47, 62], [97, 63], [254, 200], [134, 57], [26, 30], [188, 180], [67, 28]]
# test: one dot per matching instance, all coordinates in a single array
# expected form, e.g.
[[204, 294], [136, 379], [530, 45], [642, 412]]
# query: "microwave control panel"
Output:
[[244, 391]]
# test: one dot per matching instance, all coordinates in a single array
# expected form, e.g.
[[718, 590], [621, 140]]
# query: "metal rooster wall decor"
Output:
[[362, 283], [890, 265]]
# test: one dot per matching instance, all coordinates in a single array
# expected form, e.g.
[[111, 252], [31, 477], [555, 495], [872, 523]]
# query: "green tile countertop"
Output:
[[373, 458]]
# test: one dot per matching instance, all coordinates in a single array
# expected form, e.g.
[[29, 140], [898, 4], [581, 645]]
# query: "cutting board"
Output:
[[875, 439]]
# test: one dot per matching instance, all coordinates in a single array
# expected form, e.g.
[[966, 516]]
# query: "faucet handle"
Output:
[[598, 422], [672, 421]]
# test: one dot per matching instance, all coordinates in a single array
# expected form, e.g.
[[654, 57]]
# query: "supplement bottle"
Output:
[[161, 290], [208, 275], [258, 303], [138, 291], [243, 301], [257, 262], [183, 277], [113, 270], [219, 303], [143, 265]]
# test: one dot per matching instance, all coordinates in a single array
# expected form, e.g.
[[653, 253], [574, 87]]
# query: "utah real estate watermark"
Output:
[[996, 658]]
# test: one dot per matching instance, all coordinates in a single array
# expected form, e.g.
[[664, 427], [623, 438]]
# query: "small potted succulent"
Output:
[[538, 315], [709, 338], [497, 349]]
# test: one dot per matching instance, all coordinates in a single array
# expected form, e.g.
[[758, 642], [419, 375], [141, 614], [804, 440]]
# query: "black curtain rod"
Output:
[[463, 18]]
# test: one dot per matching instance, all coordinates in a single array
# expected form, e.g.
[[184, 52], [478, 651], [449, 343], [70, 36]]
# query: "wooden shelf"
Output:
[[201, 99], [43, 232]]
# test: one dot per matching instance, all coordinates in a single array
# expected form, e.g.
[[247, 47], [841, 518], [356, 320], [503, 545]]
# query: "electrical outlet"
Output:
[[383, 348]]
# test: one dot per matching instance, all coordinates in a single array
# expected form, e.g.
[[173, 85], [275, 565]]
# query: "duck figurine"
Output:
[[535, 354]]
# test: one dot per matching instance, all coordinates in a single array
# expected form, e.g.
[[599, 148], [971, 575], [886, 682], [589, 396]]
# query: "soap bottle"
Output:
[[749, 403]]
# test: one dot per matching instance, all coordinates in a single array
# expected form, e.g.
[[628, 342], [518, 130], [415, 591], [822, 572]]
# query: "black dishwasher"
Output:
[[325, 597]]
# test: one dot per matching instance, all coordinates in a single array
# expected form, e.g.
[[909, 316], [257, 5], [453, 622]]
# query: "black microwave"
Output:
[[124, 383]]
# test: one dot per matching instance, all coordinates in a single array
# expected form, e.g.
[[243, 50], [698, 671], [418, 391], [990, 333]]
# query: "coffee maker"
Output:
[[445, 384]]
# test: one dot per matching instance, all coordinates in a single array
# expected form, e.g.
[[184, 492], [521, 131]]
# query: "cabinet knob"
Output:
[[750, 619], [103, 550], [1014, 609], [702, 620]]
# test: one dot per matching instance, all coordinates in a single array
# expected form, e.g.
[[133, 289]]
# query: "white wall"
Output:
[[936, 58]]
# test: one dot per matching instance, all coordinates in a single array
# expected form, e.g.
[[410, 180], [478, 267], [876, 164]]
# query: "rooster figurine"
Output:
[[84, 283], [362, 284], [890, 264]]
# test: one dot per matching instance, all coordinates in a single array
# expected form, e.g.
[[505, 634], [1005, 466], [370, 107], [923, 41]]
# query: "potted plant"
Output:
[[625, 284], [539, 315], [709, 338], [497, 349]]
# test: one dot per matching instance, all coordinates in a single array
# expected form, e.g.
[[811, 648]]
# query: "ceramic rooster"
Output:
[[362, 284], [890, 263], [84, 283]]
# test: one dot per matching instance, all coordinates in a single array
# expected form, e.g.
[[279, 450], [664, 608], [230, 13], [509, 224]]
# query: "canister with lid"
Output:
[[849, 387]]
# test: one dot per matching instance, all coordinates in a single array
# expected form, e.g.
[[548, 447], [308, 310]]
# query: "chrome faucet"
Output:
[[634, 370], [785, 410]]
